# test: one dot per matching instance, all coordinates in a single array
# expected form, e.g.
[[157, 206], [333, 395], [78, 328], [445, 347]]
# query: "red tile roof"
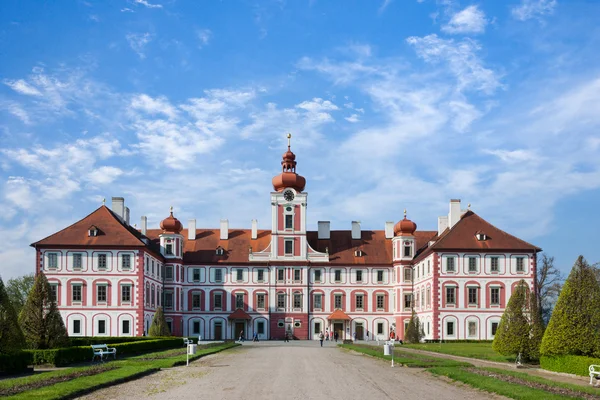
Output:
[[111, 232], [339, 315], [462, 236], [239, 314]]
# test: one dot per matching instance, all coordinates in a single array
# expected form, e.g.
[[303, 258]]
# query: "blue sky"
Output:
[[392, 104]]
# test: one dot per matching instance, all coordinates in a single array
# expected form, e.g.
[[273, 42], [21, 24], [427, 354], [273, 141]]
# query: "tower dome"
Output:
[[171, 224], [288, 178], [405, 227]]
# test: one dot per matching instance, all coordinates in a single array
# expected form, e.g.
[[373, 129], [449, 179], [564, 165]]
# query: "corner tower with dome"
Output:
[[109, 277]]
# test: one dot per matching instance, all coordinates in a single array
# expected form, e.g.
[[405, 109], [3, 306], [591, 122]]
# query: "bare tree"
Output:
[[549, 284]]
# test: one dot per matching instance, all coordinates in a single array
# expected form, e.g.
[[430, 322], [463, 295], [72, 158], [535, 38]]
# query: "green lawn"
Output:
[[125, 370], [480, 350], [466, 373]]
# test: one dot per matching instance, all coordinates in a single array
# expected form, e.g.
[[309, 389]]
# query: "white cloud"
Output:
[[514, 156], [18, 192], [126, 10], [317, 105], [353, 118], [22, 87], [145, 3], [469, 20], [104, 175], [204, 36], [18, 111], [461, 57], [384, 5], [153, 106], [138, 42], [529, 9]]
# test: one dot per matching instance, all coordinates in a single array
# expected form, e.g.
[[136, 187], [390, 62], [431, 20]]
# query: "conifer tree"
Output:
[[574, 327], [536, 328], [414, 331], [11, 337], [40, 320], [159, 325], [512, 336]]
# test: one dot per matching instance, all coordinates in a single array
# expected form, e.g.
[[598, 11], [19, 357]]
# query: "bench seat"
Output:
[[594, 372], [102, 350]]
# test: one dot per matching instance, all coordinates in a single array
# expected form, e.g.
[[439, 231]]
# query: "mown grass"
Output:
[[126, 370], [455, 370], [482, 351]]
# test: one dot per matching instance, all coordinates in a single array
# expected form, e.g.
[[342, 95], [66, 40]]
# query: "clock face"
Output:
[[288, 195]]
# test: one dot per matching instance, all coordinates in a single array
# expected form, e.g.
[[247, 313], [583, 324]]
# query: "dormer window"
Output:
[[358, 253], [220, 251], [407, 249], [481, 236], [93, 231], [169, 249]]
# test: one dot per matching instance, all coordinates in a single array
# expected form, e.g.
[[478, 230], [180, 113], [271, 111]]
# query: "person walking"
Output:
[[335, 336], [255, 337], [241, 336], [367, 335], [321, 337], [354, 336], [327, 334], [331, 335], [286, 338]]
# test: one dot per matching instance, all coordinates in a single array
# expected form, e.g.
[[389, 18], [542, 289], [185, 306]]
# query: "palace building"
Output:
[[108, 277]]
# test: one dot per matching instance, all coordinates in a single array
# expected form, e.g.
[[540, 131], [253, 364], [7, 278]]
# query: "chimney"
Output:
[[324, 230], [118, 207], [224, 229], [389, 229], [454, 214], [144, 225], [442, 224], [192, 229], [127, 215], [356, 230], [254, 229]]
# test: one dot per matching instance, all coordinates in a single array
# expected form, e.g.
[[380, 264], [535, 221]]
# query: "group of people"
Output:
[[328, 336], [242, 337]]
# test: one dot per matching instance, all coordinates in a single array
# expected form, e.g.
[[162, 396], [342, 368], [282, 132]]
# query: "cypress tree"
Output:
[[536, 328], [574, 327], [414, 332], [512, 336], [11, 337], [40, 320], [159, 325]]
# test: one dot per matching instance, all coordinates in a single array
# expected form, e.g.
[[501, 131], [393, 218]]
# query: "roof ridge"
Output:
[[68, 227]]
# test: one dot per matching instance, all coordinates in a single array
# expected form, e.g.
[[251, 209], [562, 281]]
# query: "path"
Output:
[[296, 370]]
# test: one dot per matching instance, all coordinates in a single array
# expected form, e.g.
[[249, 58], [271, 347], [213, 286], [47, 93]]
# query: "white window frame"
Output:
[[79, 257], [453, 258], [469, 325], [130, 290], [80, 326], [453, 324], [260, 272], [194, 272], [361, 297], [495, 260], [220, 297], [128, 258], [320, 279], [492, 296], [102, 256], [106, 331], [359, 276], [98, 286], [381, 297], [239, 275], [122, 326], [474, 261], [218, 274], [380, 272], [335, 275], [73, 285], [172, 274], [258, 301], [52, 260], [318, 304], [520, 260], [469, 288], [285, 247], [298, 272]]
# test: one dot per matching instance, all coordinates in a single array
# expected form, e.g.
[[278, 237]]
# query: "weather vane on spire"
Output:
[[171, 209], [289, 136], [405, 213]]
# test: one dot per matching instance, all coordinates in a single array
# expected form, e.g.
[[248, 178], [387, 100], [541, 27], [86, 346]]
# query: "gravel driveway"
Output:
[[296, 370]]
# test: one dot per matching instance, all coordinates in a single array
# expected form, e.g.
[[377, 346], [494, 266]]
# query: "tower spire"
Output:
[[289, 137]]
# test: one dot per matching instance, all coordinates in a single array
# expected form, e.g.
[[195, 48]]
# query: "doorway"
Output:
[[339, 328], [218, 331], [359, 331], [239, 328]]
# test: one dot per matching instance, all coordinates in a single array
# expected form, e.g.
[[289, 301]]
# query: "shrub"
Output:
[[89, 340], [578, 365], [40, 320], [574, 328], [159, 325], [15, 362], [512, 336], [68, 355], [11, 337], [414, 331]]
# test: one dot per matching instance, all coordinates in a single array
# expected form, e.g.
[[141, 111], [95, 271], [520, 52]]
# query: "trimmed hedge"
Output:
[[15, 362], [69, 355], [457, 341], [578, 365], [89, 340]]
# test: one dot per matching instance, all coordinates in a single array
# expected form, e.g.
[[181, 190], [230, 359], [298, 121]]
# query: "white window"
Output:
[[451, 295], [101, 261], [169, 249], [297, 300], [338, 275], [77, 261], [407, 274], [289, 247], [239, 274], [195, 301], [76, 292], [380, 328], [494, 261], [380, 301], [494, 328], [472, 264], [52, 260], [450, 267], [337, 301], [260, 301], [428, 297], [77, 327], [472, 328], [218, 300], [102, 327], [54, 292], [169, 273], [407, 250], [359, 277], [125, 293], [297, 275], [169, 300], [473, 296], [196, 327], [239, 300], [495, 296], [289, 221], [125, 327], [359, 301], [520, 267], [281, 300], [317, 275], [196, 274], [408, 301], [261, 275], [101, 292], [281, 274], [126, 262], [450, 328], [218, 275], [379, 276], [318, 301]]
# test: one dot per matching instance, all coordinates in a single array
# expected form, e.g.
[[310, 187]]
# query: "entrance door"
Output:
[[218, 331], [359, 332], [239, 327], [339, 328]]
